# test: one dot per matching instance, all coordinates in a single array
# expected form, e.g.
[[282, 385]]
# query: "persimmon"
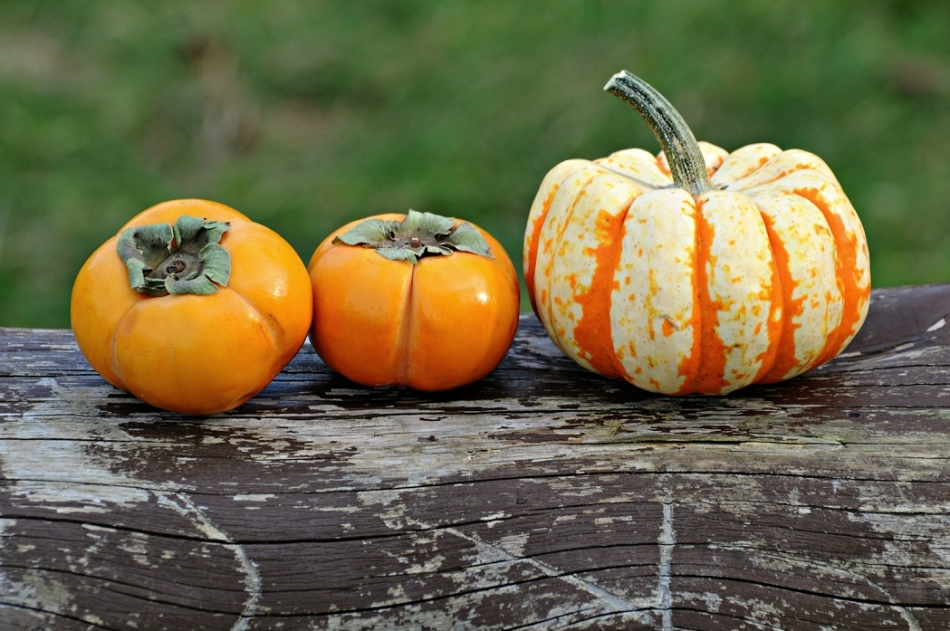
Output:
[[191, 307], [415, 300]]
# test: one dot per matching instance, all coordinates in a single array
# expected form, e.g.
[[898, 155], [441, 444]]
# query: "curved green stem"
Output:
[[676, 140]]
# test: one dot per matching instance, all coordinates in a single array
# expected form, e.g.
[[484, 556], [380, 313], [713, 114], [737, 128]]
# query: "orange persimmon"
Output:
[[192, 307], [414, 300]]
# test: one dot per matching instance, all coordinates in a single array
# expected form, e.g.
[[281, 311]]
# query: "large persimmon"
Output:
[[192, 307]]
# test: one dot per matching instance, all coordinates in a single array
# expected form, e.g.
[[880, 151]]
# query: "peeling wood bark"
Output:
[[543, 497]]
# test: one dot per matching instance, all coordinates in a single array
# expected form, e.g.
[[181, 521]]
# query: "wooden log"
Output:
[[543, 497]]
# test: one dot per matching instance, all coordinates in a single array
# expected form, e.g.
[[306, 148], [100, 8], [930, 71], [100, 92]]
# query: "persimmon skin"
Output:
[[441, 323], [195, 354]]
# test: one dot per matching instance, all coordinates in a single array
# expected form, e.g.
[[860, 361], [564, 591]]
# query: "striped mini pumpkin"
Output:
[[695, 271]]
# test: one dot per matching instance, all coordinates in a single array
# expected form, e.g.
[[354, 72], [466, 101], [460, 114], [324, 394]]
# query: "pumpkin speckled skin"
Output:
[[195, 354], [760, 278], [438, 324]]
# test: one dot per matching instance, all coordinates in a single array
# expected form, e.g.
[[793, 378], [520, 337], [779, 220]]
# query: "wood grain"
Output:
[[543, 497]]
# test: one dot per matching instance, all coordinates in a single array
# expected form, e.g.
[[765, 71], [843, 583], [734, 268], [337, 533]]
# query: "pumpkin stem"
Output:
[[677, 141]]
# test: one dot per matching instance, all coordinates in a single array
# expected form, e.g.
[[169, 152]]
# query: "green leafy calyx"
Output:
[[417, 236], [181, 258]]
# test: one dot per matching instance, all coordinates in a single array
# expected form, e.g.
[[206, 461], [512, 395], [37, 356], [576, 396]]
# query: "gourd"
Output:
[[697, 270]]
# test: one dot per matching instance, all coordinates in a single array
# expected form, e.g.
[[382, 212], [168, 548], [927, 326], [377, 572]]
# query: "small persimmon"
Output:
[[191, 307], [415, 300]]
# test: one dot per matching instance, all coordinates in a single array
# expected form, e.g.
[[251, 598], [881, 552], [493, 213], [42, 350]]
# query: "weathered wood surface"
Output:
[[543, 497]]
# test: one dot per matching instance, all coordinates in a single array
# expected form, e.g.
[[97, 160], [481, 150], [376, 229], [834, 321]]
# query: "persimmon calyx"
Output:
[[180, 258], [418, 235]]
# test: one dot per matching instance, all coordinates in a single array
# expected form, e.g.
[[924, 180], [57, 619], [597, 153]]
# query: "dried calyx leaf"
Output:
[[416, 236], [180, 258]]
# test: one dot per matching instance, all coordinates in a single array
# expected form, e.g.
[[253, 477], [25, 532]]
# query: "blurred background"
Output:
[[307, 114]]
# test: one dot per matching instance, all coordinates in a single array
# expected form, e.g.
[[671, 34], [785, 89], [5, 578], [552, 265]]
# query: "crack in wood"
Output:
[[111, 584], [44, 613], [184, 506], [889, 601], [666, 543], [614, 602]]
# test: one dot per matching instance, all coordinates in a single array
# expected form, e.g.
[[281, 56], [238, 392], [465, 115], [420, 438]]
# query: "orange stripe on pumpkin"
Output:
[[782, 331], [592, 333], [846, 267], [704, 368], [533, 248]]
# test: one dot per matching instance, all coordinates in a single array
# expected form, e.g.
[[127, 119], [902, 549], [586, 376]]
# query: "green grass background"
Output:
[[305, 115]]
